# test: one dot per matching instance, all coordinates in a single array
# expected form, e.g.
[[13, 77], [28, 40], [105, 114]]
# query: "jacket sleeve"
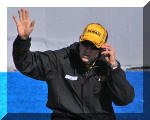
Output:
[[33, 64], [121, 91]]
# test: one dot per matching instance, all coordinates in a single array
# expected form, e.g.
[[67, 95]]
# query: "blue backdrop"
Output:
[[26, 95]]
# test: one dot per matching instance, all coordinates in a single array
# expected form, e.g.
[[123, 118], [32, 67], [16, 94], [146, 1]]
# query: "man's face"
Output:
[[88, 52]]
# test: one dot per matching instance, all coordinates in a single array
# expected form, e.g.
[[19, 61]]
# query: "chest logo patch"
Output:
[[71, 77]]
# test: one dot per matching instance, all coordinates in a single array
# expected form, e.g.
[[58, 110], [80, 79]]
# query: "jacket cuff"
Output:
[[116, 70], [118, 66], [22, 44], [20, 39]]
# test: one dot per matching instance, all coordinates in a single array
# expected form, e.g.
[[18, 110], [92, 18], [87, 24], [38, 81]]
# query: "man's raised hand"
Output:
[[24, 25]]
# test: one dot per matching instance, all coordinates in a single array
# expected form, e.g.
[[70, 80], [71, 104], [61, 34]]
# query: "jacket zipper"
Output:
[[82, 98], [82, 92]]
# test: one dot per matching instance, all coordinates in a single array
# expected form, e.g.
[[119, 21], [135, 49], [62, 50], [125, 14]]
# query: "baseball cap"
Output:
[[94, 33]]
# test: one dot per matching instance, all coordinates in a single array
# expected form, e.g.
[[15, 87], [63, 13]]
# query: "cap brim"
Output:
[[98, 45]]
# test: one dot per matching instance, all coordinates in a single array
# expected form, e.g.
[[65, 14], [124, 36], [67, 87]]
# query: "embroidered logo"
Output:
[[94, 32], [71, 77]]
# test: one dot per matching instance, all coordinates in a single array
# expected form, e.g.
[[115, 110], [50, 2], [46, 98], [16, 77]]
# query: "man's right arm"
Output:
[[33, 64]]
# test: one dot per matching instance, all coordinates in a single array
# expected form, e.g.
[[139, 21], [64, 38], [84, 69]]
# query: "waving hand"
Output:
[[24, 25]]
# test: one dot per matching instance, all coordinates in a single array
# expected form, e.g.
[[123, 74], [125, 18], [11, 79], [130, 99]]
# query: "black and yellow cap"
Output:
[[94, 33]]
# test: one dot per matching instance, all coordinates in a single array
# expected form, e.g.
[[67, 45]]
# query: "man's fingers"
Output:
[[27, 16], [32, 23], [23, 14], [106, 45], [15, 19], [106, 52], [107, 48], [20, 15]]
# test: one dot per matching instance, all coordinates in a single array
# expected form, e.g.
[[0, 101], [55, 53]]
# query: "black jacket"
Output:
[[74, 91]]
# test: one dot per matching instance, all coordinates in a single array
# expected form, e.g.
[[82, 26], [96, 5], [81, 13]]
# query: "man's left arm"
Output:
[[122, 93]]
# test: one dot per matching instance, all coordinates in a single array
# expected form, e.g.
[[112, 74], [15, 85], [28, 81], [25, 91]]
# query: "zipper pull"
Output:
[[86, 75]]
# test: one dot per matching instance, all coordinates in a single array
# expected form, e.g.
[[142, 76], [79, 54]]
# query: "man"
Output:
[[83, 79]]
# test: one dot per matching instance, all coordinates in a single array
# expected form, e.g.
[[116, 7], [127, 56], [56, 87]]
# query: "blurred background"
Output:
[[59, 27]]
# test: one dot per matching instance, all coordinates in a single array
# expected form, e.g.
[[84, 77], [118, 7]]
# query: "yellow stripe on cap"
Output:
[[94, 33]]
